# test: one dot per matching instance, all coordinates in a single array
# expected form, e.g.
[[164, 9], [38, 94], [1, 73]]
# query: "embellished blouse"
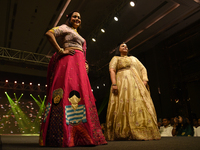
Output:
[[69, 36], [119, 63]]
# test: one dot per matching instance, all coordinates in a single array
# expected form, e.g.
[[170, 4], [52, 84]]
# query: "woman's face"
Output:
[[75, 20], [123, 49], [180, 119]]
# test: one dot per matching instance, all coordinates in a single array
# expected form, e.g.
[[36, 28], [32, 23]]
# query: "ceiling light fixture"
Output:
[[132, 3], [115, 18], [93, 39], [102, 30]]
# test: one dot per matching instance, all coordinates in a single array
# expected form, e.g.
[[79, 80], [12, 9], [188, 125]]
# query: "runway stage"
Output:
[[169, 143]]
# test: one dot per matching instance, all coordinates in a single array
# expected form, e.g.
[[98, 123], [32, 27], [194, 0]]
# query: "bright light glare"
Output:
[[102, 30], [132, 4], [93, 39], [115, 18]]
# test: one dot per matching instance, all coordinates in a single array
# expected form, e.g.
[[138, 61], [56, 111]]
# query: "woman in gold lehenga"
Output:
[[131, 114]]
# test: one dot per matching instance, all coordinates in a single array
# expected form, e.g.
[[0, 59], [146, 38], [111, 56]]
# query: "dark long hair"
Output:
[[69, 18], [184, 122], [117, 53]]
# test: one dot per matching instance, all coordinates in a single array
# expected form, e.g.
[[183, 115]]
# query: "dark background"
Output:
[[163, 34]]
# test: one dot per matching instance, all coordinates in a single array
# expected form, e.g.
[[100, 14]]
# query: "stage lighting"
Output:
[[6, 81], [45, 85], [116, 18], [22, 82], [104, 84], [15, 82], [102, 30], [30, 83], [38, 84], [132, 3], [197, 1], [97, 87], [93, 39]]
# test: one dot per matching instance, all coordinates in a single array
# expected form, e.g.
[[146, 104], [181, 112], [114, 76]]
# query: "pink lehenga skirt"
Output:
[[74, 120]]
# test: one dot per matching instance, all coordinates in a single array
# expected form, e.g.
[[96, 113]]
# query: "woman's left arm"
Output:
[[143, 72]]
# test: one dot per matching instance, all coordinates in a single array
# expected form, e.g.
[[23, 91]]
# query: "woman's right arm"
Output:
[[113, 80], [51, 37]]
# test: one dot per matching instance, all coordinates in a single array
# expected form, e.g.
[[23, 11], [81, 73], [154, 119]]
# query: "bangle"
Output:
[[114, 84], [61, 50]]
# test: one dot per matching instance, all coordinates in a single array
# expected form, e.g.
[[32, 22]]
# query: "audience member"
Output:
[[166, 129], [183, 128], [197, 129]]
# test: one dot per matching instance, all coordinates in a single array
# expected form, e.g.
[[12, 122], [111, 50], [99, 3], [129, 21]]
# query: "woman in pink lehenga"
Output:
[[70, 117]]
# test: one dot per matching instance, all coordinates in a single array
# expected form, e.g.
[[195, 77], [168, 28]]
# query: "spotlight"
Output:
[[6, 81], [115, 18], [15, 82], [132, 3], [45, 85], [97, 87], [102, 30], [92, 90], [104, 84], [30, 83], [38, 84], [22, 82], [93, 39]]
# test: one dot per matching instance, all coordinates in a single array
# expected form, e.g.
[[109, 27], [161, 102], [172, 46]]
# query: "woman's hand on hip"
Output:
[[145, 83], [69, 51]]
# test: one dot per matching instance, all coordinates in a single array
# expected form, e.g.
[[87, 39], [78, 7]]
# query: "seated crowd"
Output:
[[179, 126]]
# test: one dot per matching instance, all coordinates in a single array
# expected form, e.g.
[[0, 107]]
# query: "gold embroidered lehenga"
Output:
[[131, 114]]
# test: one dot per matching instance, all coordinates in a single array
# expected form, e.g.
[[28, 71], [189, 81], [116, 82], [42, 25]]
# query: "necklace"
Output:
[[74, 29]]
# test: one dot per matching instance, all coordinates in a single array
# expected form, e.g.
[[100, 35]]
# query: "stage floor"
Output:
[[168, 143]]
